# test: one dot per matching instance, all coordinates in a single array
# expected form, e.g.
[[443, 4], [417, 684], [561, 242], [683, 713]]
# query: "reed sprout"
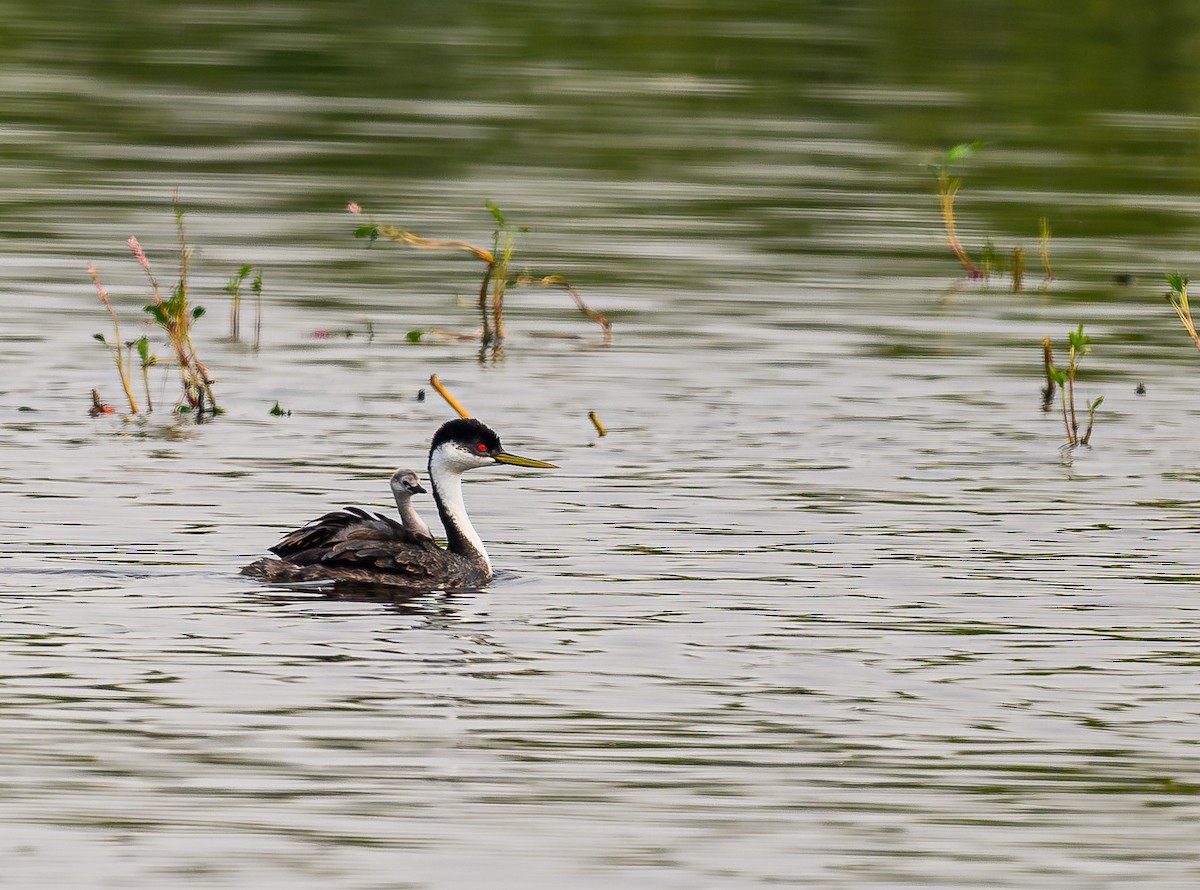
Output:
[[1178, 298], [1078, 346], [947, 190], [234, 288]]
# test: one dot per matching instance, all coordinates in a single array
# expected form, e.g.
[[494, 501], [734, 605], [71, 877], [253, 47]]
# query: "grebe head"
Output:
[[406, 483], [461, 445]]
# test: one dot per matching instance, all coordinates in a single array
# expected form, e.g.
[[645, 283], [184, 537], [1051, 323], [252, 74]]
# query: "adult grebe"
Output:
[[341, 546], [406, 483]]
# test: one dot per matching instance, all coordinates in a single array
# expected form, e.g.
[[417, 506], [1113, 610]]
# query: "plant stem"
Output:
[[445, 394], [1074, 433], [115, 351], [146, 384], [559, 281], [947, 188], [1179, 302], [1066, 422], [486, 335], [1044, 250]]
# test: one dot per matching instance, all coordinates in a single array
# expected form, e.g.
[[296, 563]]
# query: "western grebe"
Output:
[[406, 483], [352, 545]]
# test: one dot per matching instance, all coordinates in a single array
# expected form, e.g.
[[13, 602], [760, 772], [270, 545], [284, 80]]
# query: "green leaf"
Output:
[[197, 312], [143, 348], [368, 231], [159, 313], [961, 152], [495, 211], [412, 336], [100, 337], [1178, 282], [1060, 377], [244, 272], [276, 411], [1092, 406], [256, 285], [1079, 341]]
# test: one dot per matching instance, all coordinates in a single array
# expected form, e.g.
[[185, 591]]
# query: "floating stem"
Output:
[[559, 281], [445, 394]]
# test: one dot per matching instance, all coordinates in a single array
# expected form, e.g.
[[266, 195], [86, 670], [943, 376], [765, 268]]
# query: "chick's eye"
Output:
[[481, 447]]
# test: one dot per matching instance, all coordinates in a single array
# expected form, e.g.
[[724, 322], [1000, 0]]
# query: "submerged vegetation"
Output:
[[175, 316], [947, 190], [496, 275], [1078, 346], [990, 258], [234, 289]]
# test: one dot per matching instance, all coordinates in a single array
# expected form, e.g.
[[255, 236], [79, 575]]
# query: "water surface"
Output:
[[827, 607]]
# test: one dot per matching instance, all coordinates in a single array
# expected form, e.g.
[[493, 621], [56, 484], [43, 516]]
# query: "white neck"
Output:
[[445, 477]]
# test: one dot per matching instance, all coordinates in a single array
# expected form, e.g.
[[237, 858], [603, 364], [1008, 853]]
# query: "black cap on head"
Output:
[[469, 433]]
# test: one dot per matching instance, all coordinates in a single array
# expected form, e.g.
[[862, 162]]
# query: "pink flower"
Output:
[[99, 287], [353, 208], [137, 251]]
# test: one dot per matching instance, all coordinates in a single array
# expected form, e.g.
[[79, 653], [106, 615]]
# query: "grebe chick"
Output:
[[406, 483], [341, 546]]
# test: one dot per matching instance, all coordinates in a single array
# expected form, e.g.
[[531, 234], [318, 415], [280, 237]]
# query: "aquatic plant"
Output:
[[1178, 298], [1044, 250], [990, 257], [1079, 346], [148, 361], [114, 349], [1018, 268], [234, 288], [496, 280], [947, 190], [1048, 366], [175, 315]]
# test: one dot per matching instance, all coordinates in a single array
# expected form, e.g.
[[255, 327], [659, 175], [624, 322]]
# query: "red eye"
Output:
[[481, 447]]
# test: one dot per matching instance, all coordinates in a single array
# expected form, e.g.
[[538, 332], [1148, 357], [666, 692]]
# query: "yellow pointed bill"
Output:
[[505, 458]]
